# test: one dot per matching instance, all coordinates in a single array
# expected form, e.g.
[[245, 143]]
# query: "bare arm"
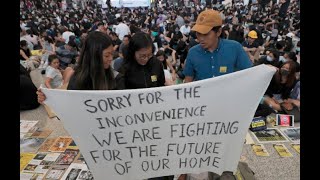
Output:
[[249, 49], [295, 102], [47, 82], [147, 20], [121, 55], [174, 60], [59, 39], [173, 72], [53, 48], [270, 23], [115, 47]]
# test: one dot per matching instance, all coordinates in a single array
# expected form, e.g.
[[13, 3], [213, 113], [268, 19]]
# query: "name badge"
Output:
[[154, 78], [223, 69]]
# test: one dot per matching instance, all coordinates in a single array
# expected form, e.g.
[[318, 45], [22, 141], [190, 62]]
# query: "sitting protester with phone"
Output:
[[283, 92]]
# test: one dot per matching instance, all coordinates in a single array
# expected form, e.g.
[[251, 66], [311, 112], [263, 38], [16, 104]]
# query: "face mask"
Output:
[[281, 58], [154, 34], [177, 30], [269, 58], [85, 20], [284, 72], [298, 49]]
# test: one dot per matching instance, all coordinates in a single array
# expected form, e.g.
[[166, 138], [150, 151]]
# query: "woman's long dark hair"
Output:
[[90, 73], [29, 31], [164, 62], [291, 79], [138, 41]]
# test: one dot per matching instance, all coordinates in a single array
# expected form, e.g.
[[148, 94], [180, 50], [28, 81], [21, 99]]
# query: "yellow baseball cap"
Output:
[[206, 21], [253, 34]]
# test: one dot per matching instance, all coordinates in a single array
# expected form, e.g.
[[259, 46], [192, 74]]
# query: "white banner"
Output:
[[143, 133], [130, 3]]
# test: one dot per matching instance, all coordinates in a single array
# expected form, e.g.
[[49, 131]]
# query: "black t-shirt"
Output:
[[195, 15], [86, 25], [178, 34], [236, 36], [147, 76], [119, 82], [247, 45], [158, 41], [173, 18], [279, 88], [284, 8], [27, 52], [297, 66], [134, 29], [267, 20], [116, 42], [28, 97]]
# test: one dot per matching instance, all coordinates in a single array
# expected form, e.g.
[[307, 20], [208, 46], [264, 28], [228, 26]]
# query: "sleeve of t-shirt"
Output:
[[188, 68], [162, 78], [182, 29], [71, 84], [243, 61], [128, 29], [244, 44], [120, 82], [118, 42], [121, 48], [117, 31], [51, 73]]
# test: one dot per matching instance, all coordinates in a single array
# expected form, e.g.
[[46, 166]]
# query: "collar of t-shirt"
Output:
[[220, 44]]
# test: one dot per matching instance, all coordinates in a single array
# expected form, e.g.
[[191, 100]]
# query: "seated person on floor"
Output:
[[28, 96], [31, 62], [271, 57], [56, 78], [251, 46], [281, 85], [66, 54]]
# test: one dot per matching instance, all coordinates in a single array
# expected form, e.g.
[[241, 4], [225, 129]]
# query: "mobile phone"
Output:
[[285, 120]]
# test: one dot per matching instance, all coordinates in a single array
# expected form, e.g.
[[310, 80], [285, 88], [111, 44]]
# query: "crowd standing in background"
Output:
[[53, 34]]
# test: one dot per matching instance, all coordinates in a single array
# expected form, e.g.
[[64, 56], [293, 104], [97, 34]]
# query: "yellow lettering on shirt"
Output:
[[154, 78]]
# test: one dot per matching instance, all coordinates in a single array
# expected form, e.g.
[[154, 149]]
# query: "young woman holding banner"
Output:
[[141, 69]]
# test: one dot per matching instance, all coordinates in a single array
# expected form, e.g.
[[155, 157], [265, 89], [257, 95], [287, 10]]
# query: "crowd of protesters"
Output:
[[268, 30], [83, 46]]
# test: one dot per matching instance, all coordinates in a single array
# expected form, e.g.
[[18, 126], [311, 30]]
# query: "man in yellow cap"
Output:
[[213, 56], [251, 46]]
